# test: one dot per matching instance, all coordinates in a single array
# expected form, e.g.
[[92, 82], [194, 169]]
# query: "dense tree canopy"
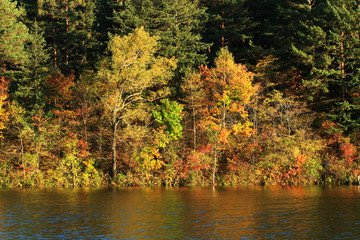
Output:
[[178, 23], [178, 92]]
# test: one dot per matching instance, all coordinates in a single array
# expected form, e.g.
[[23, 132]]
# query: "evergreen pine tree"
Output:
[[68, 29], [13, 36], [178, 24], [229, 24], [328, 53], [31, 86]]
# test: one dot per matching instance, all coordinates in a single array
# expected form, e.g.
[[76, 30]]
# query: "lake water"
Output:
[[181, 213]]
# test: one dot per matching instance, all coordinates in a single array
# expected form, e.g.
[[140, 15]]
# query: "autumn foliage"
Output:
[[138, 121], [3, 100]]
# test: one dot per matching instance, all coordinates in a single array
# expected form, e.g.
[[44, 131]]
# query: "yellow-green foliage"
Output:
[[133, 68], [90, 176]]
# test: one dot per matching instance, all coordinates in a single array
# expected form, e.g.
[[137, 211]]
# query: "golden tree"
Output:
[[228, 89], [125, 79]]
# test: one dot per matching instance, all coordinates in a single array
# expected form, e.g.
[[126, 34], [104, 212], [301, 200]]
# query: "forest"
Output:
[[179, 92]]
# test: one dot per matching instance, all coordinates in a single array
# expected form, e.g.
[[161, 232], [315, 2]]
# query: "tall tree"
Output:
[[132, 70], [227, 90], [68, 31], [13, 36], [178, 24], [229, 24], [31, 86], [328, 54]]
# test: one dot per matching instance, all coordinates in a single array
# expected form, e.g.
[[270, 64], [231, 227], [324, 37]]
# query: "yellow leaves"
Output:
[[149, 159], [134, 49], [4, 114], [211, 123], [231, 78], [244, 129], [134, 63], [227, 90], [224, 136], [235, 107], [132, 70], [228, 83]]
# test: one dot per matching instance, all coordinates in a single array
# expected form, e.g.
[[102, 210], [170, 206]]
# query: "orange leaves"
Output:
[[228, 88], [300, 160], [341, 154], [60, 89], [349, 152], [198, 160], [61, 96], [338, 145], [83, 149], [224, 136], [4, 115], [220, 95], [4, 85]]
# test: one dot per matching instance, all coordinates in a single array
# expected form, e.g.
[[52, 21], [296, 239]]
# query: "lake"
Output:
[[181, 213]]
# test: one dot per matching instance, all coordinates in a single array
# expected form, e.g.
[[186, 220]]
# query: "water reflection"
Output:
[[181, 213]]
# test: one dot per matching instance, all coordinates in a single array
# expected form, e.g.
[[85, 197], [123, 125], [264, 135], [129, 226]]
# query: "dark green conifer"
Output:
[[13, 36], [68, 26], [177, 23], [31, 85], [229, 24]]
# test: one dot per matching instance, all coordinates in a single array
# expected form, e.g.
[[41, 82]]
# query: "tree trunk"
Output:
[[342, 66], [214, 168], [114, 123], [194, 129], [67, 33], [22, 155], [194, 119], [113, 170], [73, 172]]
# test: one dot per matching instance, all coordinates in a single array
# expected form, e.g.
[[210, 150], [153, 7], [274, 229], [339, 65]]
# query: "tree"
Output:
[[328, 54], [31, 85], [194, 95], [228, 89], [68, 31], [168, 114], [127, 77], [178, 24], [13, 36], [229, 24]]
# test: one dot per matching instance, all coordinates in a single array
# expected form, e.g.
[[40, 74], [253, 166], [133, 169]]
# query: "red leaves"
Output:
[[83, 149], [60, 89], [349, 152], [339, 148], [197, 160]]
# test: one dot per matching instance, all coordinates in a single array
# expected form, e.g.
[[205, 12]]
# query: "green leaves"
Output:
[[169, 114], [13, 35], [177, 23]]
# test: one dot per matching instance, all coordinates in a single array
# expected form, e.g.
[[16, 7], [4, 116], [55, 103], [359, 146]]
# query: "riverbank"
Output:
[[247, 175]]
